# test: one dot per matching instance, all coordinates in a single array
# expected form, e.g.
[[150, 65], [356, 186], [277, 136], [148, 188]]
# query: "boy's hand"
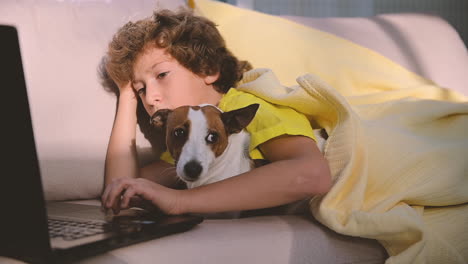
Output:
[[123, 193], [127, 91]]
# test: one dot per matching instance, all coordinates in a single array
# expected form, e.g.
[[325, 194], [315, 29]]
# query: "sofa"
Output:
[[62, 43]]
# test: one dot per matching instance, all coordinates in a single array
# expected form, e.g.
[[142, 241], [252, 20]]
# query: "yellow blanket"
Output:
[[399, 164], [398, 145]]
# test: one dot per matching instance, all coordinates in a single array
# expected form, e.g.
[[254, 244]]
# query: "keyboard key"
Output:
[[71, 230]]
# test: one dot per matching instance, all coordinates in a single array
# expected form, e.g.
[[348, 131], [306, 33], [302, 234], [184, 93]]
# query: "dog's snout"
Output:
[[193, 169]]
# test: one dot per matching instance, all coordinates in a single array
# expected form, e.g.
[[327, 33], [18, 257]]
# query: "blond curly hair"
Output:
[[193, 41]]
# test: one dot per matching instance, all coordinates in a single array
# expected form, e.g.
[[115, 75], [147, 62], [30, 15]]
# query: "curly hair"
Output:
[[193, 41]]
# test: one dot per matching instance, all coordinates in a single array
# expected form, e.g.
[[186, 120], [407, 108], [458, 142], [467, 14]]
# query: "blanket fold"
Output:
[[391, 154]]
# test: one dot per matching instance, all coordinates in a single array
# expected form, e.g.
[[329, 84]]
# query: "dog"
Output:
[[207, 144]]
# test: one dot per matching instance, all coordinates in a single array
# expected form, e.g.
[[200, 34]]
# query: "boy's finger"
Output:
[[115, 193], [116, 205], [128, 194], [105, 194]]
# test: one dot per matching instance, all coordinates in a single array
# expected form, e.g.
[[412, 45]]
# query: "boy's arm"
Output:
[[121, 158], [298, 170]]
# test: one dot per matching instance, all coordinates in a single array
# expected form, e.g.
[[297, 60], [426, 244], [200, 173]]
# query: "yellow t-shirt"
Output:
[[269, 122]]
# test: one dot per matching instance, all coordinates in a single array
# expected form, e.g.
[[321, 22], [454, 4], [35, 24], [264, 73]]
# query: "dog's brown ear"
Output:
[[158, 120], [236, 120]]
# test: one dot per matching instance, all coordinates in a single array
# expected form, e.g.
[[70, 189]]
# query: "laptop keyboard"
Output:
[[71, 230]]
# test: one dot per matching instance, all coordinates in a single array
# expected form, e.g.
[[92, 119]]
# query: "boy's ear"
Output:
[[159, 119], [210, 79], [236, 120]]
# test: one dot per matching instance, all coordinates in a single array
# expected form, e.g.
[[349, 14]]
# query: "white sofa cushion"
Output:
[[62, 43]]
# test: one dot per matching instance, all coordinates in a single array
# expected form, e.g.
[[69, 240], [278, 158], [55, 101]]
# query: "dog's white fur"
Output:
[[233, 161]]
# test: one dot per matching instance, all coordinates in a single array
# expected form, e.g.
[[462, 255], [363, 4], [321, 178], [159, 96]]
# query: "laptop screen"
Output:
[[23, 221]]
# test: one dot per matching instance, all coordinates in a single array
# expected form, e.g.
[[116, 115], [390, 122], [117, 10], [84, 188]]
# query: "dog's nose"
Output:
[[192, 169]]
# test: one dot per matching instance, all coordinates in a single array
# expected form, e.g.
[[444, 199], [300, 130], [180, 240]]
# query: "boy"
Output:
[[175, 59]]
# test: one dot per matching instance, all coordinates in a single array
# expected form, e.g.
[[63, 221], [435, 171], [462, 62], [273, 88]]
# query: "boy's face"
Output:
[[161, 82]]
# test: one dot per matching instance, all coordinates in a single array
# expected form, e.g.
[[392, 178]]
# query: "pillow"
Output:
[[292, 49], [62, 43], [407, 39]]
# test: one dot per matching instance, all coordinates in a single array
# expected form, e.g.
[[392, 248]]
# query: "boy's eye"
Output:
[[141, 91], [212, 138], [162, 75]]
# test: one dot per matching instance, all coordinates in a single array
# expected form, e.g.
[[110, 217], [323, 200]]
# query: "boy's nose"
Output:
[[153, 95]]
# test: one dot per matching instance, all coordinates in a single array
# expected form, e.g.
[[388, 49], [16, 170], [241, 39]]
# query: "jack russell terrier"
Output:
[[207, 144]]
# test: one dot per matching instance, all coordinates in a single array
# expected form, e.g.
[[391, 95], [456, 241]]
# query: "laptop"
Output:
[[37, 231]]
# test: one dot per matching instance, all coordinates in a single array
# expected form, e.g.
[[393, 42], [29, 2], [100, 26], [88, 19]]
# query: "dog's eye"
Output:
[[212, 138], [179, 132]]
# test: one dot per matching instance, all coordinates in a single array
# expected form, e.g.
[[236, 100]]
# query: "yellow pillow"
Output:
[[291, 50]]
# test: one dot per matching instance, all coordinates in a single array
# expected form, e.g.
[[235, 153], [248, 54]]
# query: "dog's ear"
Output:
[[238, 119], [158, 120]]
